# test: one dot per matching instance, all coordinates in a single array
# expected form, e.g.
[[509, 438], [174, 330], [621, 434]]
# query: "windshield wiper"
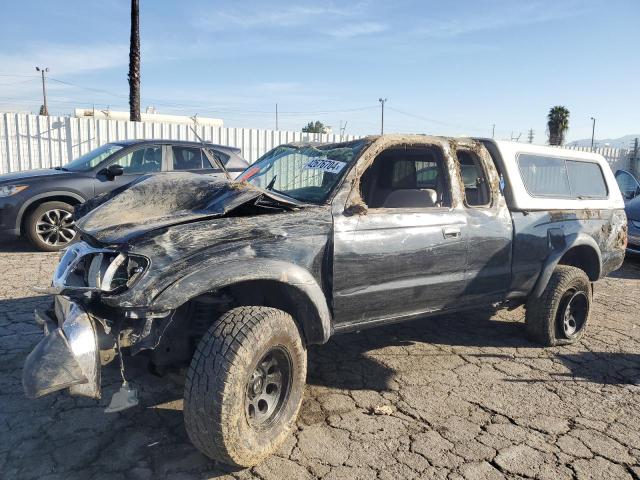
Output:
[[270, 185], [213, 155], [61, 168]]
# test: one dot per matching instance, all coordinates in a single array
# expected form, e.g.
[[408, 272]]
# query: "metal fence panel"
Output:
[[33, 141]]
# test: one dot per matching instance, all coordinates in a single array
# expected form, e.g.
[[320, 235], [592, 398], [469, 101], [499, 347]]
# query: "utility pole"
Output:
[[134, 63], [343, 128], [530, 135], [44, 110], [276, 116], [493, 131], [593, 131], [382, 102]]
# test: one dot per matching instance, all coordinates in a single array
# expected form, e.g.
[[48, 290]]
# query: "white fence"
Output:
[[618, 158], [33, 141]]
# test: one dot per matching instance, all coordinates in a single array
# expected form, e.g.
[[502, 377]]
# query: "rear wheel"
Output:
[[245, 385], [50, 227], [561, 314]]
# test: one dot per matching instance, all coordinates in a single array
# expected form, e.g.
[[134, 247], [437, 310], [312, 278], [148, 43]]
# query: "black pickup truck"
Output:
[[235, 279]]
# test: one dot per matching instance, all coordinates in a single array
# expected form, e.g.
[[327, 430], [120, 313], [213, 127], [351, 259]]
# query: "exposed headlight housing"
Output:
[[8, 190], [85, 268], [110, 272]]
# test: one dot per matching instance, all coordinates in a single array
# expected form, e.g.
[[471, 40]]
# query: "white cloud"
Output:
[[511, 14], [65, 59], [357, 29], [269, 16]]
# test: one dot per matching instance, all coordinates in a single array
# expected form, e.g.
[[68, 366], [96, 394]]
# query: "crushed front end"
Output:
[[79, 340]]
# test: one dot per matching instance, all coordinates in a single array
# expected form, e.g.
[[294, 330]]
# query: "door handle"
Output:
[[451, 232]]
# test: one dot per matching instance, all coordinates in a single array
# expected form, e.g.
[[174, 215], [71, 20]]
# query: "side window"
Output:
[[476, 187], [561, 178], [628, 184], [141, 161], [586, 179], [544, 176], [411, 177], [189, 158]]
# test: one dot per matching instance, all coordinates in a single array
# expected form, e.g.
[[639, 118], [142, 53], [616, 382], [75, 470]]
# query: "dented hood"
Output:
[[158, 201]]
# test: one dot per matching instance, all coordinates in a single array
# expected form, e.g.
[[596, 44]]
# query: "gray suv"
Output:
[[38, 204]]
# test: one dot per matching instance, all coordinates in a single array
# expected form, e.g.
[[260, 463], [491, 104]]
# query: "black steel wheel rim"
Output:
[[573, 313], [268, 388], [56, 227]]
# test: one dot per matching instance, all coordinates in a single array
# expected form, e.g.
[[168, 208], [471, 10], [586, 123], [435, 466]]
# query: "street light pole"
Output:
[[593, 131], [382, 102], [45, 110]]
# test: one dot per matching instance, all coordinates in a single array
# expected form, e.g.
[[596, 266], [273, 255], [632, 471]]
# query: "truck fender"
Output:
[[561, 244], [317, 319]]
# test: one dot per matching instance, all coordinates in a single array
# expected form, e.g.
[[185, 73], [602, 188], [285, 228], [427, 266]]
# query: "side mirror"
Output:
[[113, 171]]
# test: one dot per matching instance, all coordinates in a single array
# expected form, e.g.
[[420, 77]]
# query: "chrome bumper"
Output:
[[67, 357]]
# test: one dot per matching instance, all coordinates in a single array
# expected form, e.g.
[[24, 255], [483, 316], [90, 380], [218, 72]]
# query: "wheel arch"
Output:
[[579, 251], [260, 282], [56, 196]]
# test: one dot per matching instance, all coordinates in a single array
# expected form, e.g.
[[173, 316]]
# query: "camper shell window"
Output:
[[557, 177]]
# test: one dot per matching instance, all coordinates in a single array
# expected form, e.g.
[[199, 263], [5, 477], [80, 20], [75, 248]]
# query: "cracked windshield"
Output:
[[306, 173]]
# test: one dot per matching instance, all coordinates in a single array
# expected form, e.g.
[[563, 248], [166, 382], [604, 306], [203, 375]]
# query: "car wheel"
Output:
[[561, 314], [50, 227], [245, 385]]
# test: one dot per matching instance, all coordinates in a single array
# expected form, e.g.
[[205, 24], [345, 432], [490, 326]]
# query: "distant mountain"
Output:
[[622, 142]]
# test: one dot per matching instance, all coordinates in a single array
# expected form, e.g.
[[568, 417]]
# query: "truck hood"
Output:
[[158, 201]]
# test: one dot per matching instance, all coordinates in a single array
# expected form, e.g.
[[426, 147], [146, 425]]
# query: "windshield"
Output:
[[305, 173], [90, 160]]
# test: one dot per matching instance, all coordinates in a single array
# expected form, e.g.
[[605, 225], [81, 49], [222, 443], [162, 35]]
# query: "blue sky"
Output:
[[446, 67]]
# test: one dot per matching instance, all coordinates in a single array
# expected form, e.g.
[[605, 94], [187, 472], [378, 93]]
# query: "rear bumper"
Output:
[[67, 357]]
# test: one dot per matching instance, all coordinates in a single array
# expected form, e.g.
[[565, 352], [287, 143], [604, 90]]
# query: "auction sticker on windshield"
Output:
[[323, 163]]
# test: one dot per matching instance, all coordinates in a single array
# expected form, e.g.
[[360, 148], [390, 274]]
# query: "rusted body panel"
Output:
[[542, 238]]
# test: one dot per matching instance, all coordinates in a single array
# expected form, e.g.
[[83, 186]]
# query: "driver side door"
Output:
[[406, 256], [629, 185], [136, 162]]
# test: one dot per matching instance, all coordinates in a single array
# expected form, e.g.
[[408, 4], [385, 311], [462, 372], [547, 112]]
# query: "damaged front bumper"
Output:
[[67, 357]]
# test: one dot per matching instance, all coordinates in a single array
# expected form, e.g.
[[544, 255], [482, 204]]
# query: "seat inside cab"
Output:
[[406, 177]]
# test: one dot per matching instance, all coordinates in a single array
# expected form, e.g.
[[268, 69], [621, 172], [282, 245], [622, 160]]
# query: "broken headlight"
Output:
[[85, 268], [113, 271]]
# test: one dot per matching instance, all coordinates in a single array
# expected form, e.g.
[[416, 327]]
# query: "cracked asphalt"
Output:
[[460, 396]]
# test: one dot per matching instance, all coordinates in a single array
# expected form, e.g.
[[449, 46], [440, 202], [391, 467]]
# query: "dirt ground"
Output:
[[469, 397]]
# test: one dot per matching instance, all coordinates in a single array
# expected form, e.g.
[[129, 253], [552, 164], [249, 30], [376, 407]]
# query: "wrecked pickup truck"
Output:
[[236, 279]]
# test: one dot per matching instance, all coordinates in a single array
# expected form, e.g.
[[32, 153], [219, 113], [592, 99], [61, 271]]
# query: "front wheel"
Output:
[[560, 315], [50, 227], [245, 385]]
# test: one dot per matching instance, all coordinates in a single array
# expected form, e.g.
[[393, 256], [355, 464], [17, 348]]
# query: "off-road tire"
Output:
[[215, 398], [543, 313], [30, 226]]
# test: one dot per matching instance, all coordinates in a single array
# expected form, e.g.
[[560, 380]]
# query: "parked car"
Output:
[[632, 209], [630, 188], [237, 279], [629, 185], [38, 204]]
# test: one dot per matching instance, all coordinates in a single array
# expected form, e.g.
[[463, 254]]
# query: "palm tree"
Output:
[[134, 63], [557, 124]]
